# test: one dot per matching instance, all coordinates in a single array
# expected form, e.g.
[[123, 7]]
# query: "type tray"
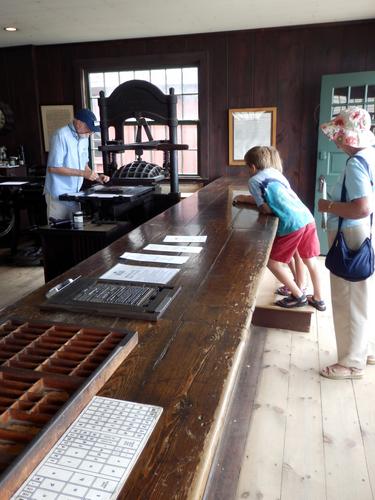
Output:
[[48, 374]]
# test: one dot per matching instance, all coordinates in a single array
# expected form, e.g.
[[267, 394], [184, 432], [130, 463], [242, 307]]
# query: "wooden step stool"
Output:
[[268, 315]]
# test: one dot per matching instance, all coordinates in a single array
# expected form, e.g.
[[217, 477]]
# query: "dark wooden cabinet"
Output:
[[63, 248]]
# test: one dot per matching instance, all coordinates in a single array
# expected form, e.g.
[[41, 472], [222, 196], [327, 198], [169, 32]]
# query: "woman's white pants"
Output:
[[352, 305]]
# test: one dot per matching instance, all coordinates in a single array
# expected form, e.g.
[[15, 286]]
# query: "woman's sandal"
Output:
[[340, 372], [318, 304], [292, 301]]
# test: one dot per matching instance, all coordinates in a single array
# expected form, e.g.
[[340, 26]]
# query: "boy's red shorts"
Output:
[[305, 240]]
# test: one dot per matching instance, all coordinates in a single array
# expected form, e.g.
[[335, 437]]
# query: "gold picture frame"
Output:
[[250, 127], [54, 117]]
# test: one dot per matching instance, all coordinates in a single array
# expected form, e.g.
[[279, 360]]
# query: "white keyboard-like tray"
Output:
[[96, 454]]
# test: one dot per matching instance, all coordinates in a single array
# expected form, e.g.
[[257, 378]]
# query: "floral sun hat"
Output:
[[350, 128]]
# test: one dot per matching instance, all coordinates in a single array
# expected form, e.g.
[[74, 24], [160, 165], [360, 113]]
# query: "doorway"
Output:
[[338, 92]]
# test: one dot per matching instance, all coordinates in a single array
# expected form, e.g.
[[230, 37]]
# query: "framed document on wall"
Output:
[[250, 127], [54, 117]]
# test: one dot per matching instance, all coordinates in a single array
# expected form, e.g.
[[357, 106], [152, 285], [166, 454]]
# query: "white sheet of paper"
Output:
[[165, 259], [184, 239], [173, 248], [13, 183], [108, 195], [123, 272]]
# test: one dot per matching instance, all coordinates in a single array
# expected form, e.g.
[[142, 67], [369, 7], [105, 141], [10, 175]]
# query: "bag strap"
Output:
[[343, 189]]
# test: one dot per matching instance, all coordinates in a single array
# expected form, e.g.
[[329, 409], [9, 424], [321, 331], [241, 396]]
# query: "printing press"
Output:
[[133, 193]]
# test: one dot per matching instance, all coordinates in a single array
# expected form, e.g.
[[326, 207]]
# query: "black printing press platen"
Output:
[[111, 298]]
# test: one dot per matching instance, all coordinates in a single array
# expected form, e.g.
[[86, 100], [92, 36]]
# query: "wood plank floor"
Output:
[[16, 282], [310, 438]]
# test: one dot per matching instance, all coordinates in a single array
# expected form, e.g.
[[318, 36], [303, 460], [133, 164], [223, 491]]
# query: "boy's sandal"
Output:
[[283, 290], [339, 372], [292, 301], [371, 360], [318, 304]]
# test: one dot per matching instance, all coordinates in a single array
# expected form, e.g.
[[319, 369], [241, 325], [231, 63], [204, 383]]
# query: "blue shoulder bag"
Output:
[[351, 265]]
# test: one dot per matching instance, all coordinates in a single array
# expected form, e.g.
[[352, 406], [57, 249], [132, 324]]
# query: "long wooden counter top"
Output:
[[187, 361]]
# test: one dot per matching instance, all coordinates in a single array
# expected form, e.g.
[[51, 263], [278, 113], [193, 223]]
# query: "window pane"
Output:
[[189, 162], [357, 95], [111, 81], [185, 83], [129, 134], [336, 110], [158, 78], [340, 95], [174, 79], [96, 83], [190, 107], [159, 132], [142, 75], [190, 80], [111, 133], [370, 105], [127, 157], [95, 107], [189, 136], [179, 108], [125, 76], [157, 157]]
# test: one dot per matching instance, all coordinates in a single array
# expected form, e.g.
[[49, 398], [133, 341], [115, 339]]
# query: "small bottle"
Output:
[[78, 220], [21, 156]]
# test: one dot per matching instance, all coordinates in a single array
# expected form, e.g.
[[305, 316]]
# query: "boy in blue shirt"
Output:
[[296, 232]]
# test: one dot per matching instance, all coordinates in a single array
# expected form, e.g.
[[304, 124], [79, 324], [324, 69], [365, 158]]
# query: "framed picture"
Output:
[[250, 127], [54, 117]]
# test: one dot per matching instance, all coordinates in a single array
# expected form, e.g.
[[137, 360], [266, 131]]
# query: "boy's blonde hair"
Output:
[[264, 157]]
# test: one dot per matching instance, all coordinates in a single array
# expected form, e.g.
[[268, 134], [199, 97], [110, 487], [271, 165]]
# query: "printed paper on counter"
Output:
[[157, 275], [164, 259], [184, 239], [173, 248]]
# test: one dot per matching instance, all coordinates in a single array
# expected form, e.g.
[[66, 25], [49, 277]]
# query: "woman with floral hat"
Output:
[[355, 335]]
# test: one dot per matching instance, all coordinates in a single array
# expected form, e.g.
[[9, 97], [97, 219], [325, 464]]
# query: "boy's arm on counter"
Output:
[[250, 200]]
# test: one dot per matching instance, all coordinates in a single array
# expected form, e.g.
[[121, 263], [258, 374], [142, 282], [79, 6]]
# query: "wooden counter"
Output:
[[188, 361]]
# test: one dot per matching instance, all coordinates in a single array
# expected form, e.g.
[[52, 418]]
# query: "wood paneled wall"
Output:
[[275, 67]]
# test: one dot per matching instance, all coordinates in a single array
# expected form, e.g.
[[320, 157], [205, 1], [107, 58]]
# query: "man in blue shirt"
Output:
[[67, 164]]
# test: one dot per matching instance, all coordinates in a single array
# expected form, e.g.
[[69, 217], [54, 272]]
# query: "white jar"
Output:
[[78, 220]]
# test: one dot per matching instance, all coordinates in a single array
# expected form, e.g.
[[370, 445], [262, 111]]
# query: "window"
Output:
[[185, 83]]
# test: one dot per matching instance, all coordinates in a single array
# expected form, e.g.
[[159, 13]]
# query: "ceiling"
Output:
[[42, 22]]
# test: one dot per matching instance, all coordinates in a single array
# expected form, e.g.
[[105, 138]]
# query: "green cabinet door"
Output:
[[338, 92]]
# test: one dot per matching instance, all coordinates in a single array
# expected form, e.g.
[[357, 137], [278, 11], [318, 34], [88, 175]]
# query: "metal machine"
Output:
[[144, 103]]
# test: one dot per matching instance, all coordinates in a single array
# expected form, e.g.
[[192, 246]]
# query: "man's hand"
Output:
[[103, 178], [90, 175]]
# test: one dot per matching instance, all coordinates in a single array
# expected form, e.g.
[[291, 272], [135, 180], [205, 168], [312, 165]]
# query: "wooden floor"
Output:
[[310, 438], [16, 282]]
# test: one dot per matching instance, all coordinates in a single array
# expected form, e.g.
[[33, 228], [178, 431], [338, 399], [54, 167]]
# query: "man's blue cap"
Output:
[[87, 116]]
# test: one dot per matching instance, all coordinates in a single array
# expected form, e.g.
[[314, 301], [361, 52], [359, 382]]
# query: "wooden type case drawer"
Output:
[[48, 373]]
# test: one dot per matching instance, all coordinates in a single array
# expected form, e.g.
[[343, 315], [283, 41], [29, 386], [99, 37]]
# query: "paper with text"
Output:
[[146, 257], [173, 248], [123, 272], [184, 239]]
